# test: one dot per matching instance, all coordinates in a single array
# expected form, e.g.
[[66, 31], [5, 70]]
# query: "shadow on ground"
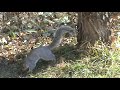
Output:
[[9, 70]]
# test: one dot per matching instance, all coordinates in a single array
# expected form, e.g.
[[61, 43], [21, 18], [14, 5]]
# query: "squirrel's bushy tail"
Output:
[[59, 36]]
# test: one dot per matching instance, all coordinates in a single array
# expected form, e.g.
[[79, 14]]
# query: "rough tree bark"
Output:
[[92, 26]]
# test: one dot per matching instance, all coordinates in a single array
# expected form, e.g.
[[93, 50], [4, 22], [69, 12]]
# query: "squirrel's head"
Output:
[[26, 65]]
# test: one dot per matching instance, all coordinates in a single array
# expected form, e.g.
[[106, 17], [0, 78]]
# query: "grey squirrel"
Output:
[[45, 52]]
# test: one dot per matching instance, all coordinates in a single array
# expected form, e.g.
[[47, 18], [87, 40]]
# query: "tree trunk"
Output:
[[92, 27]]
